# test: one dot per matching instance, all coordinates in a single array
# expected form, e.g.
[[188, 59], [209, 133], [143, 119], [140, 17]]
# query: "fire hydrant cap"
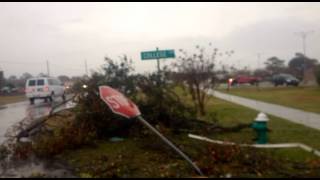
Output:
[[262, 117]]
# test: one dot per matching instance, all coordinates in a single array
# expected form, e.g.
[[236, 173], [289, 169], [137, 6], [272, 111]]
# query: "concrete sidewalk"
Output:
[[309, 119]]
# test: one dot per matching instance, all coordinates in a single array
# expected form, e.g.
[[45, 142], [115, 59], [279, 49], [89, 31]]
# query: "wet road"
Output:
[[13, 119], [14, 113]]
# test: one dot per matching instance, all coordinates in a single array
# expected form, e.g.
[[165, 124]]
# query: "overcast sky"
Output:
[[66, 34]]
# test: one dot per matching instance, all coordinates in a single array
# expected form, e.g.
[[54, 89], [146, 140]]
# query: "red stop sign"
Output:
[[118, 103]]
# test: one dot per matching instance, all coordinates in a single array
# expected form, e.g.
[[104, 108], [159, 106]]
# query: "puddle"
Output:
[[35, 168]]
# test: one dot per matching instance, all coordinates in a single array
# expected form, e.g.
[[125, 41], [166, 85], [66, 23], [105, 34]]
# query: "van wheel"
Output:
[[31, 101]]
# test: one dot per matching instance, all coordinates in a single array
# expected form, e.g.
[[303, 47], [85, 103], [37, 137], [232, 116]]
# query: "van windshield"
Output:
[[32, 83]]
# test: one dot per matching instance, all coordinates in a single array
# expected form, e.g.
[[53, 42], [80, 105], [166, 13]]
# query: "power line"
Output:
[[19, 62], [48, 70], [67, 67]]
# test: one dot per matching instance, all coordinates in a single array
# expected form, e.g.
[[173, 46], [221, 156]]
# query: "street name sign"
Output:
[[159, 54]]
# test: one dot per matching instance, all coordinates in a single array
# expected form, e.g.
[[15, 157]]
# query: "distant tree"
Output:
[[198, 73], [245, 71], [2, 80], [12, 78], [263, 73], [75, 78], [42, 75], [26, 76], [317, 73], [13, 81], [300, 62], [275, 65], [63, 78]]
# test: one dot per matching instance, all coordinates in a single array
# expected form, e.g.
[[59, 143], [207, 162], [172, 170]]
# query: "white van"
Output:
[[45, 88]]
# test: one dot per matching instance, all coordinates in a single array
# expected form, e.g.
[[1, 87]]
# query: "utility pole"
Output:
[[86, 67], [158, 63], [259, 57], [303, 35], [48, 70]]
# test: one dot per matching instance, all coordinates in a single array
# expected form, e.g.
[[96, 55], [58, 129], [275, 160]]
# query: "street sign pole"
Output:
[[144, 122], [158, 62]]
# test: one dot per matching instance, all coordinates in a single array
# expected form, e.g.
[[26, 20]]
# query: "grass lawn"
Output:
[[282, 131], [11, 99], [304, 98], [149, 157]]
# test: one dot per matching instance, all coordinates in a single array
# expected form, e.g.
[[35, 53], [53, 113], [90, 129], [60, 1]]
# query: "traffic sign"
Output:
[[118, 103], [123, 106], [162, 54]]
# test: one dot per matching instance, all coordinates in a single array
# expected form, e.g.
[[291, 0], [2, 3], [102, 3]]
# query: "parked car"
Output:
[[6, 90], [14, 90], [285, 79], [245, 79], [45, 88]]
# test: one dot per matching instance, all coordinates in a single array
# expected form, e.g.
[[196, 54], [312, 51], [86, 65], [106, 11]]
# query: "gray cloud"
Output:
[[68, 33]]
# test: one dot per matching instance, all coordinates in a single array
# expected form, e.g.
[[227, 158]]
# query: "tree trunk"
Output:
[[202, 108], [200, 101]]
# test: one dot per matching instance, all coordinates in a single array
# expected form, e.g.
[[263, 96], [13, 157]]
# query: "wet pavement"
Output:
[[16, 117], [36, 168], [12, 114]]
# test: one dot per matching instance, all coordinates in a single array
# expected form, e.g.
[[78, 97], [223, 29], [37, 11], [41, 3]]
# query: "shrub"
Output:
[[318, 73]]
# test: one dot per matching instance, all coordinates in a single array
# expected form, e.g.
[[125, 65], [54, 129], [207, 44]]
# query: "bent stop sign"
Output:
[[118, 103], [123, 106]]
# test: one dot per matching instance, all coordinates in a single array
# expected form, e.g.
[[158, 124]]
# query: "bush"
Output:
[[154, 96], [318, 73], [71, 135]]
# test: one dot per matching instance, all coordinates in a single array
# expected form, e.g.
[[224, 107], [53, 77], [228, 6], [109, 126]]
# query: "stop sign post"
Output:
[[123, 106]]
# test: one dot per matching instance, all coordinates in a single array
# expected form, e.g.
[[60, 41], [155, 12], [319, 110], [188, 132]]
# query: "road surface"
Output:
[[16, 112], [308, 119]]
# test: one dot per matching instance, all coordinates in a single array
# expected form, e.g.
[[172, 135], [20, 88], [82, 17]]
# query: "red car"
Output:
[[245, 79]]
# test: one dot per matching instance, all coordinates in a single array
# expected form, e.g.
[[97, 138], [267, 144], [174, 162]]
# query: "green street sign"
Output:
[[162, 54]]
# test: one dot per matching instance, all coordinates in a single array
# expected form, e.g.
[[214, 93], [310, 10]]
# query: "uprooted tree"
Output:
[[197, 72], [156, 100]]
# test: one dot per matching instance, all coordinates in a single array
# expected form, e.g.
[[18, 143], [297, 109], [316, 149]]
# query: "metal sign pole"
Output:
[[158, 62], [144, 122]]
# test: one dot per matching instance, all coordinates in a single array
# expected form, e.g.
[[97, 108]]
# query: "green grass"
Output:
[[129, 158], [304, 98], [282, 131], [11, 99]]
